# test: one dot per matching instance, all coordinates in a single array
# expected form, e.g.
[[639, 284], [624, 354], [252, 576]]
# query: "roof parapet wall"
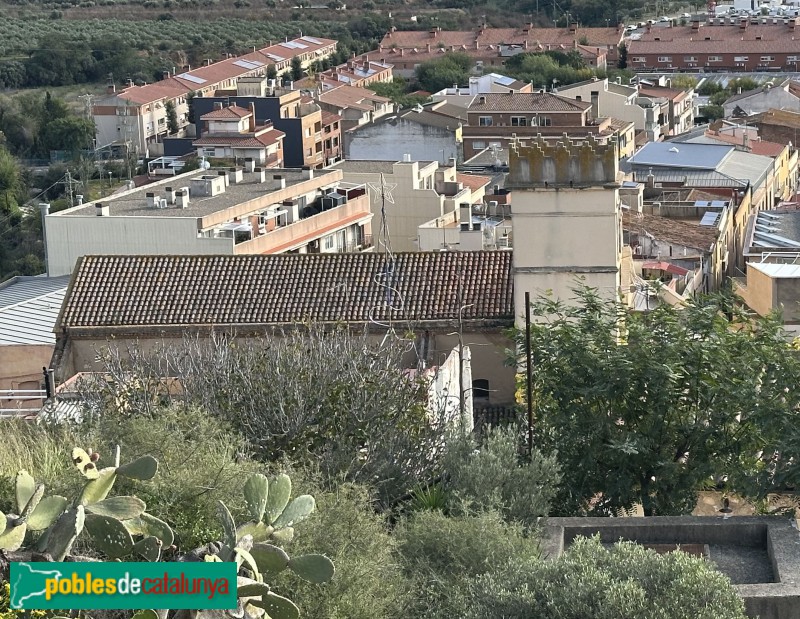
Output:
[[566, 163]]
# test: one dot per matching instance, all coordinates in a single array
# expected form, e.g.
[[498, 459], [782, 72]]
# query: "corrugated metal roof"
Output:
[[681, 155], [29, 308], [776, 270], [748, 166]]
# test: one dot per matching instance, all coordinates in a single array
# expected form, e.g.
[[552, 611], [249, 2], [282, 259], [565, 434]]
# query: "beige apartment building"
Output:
[[232, 211]]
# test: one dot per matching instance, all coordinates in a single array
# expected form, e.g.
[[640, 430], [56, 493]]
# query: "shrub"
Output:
[[495, 476], [368, 583], [589, 580]]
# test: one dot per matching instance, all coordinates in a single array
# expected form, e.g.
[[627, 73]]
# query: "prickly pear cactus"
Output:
[[118, 526]]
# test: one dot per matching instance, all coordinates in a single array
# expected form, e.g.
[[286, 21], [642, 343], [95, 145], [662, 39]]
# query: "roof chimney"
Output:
[[743, 24], [165, 75], [252, 117], [696, 25], [573, 26], [434, 33], [217, 105]]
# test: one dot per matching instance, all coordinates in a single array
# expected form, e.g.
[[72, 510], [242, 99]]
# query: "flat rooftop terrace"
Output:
[[134, 203]]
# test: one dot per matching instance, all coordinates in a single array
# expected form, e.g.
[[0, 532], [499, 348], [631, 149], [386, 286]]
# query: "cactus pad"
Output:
[[98, 489], [83, 462], [149, 548], [24, 489], [259, 531], [147, 524], [280, 489], [317, 569], [277, 607], [46, 512], [253, 589], [228, 525], [11, 537], [62, 534], [271, 560], [109, 535], [297, 511], [119, 507], [255, 490], [143, 468], [283, 536]]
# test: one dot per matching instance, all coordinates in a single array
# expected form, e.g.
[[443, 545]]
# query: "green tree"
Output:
[[272, 72], [451, 69], [70, 134], [297, 69], [622, 63], [589, 580], [645, 408], [9, 182], [397, 91], [712, 112], [172, 117]]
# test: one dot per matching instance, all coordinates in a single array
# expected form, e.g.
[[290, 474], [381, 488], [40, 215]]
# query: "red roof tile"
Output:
[[485, 37], [757, 147], [233, 111], [473, 181], [527, 102], [115, 292]]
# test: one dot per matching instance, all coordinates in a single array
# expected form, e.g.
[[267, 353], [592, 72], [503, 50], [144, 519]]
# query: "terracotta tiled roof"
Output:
[[345, 96], [502, 36], [160, 291], [265, 138], [473, 181], [233, 111], [527, 102], [783, 118], [220, 71], [328, 118], [754, 39], [757, 147], [674, 231]]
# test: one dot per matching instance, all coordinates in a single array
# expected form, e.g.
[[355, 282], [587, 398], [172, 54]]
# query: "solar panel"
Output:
[[275, 57], [192, 78], [299, 45], [245, 64], [503, 80], [289, 45], [702, 203], [312, 40], [719, 203], [709, 219]]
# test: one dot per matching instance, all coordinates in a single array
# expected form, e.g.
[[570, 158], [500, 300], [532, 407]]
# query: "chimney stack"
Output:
[[217, 105], [252, 117]]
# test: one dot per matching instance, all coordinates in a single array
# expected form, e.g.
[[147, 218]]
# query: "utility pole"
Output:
[[529, 371], [68, 184]]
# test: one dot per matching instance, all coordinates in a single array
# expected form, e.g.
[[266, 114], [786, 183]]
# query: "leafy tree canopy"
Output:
[[645, 408], [451, 69]]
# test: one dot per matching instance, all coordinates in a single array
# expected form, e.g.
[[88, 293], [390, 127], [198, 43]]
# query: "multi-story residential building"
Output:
[[357, 106], [356, 72], [219, 211], [491, 47], [232, 133], [494, 119], [289, 111], [675, 106], [719, 44], [784, 95], [137, 116], [419, 191], [480, 85], [332, 147], [425, 132], [611, 98]]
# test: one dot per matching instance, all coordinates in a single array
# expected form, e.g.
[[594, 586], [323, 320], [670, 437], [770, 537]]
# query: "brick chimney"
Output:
[[695, 25], [434, 33], [743, 24], [573, 26], [217, 105], [252, 117]]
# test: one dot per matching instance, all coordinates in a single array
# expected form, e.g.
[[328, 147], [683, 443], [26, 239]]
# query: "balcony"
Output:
[[302, 232]]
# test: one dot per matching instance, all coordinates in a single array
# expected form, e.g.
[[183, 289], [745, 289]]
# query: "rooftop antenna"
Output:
[[383, 191]]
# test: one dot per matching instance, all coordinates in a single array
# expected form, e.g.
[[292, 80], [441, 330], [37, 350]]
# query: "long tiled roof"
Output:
[[527, 102], [502, 36], [119, 292], [214, 73]]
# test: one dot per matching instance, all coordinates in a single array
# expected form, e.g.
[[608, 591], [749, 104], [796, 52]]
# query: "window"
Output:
[[327, 242], [545, 121], [639, 59], [690, 58], [767, 58], [519, 121], [476, 144], [715, 58], [791, 58], [665, 58], [309, 152], [480, 389], [741, 58], [308, 132], [209, 152], [484, 121]]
